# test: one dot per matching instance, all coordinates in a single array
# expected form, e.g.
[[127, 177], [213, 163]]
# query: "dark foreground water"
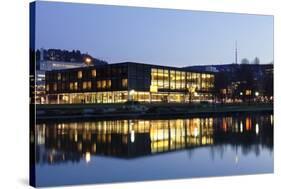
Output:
[[135, 150]]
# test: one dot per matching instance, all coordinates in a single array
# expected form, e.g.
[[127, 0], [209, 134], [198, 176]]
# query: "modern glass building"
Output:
[[128, 81]]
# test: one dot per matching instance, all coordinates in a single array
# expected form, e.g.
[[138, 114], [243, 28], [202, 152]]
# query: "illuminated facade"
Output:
[[121, 82]]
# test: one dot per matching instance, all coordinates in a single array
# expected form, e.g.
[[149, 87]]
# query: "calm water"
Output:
[[134, 150]]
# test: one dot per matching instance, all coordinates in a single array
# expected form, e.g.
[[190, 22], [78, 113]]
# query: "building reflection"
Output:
[[72, 142]]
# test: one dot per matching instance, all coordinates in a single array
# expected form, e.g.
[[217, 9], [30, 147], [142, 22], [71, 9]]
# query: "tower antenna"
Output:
[[236, 53]]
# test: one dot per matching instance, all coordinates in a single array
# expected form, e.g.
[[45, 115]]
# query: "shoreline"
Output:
[[51, 112]]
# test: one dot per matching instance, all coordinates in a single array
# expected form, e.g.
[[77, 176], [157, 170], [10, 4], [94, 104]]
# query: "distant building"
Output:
[[56, 59], [211, 69], [47, 65]]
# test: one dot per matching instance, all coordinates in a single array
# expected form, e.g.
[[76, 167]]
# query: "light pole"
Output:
[[257, 95]]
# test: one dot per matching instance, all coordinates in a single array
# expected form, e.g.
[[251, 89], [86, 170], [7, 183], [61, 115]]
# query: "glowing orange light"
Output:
[[248, 123]]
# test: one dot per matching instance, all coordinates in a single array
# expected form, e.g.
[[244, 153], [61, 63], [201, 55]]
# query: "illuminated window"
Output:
[[248, 92], [204, 76], [103, 84], [84, 85], [79, 74], [94, 73], [75, 86], [166, 79], [194, 80], [160, 79], [198, 84], [108, 83], [212, 80], [154, 77], [71, 86], [188, 80], [47, 87], [172, 79], [89, 85], [183, 86], [204, 83], [98, 84], [124, 83], [178, 80], [59, 76]]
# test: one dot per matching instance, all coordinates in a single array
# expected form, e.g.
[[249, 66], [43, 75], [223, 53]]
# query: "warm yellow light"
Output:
[[196, 132], [88, 60], [248, 92], [192, 89], [132, 92], [76, 136], [153, 88]]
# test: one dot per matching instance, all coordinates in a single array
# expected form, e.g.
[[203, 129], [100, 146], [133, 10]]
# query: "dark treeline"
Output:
[[246, 82]]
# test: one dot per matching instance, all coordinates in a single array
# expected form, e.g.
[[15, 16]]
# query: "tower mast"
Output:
[[236, 54]]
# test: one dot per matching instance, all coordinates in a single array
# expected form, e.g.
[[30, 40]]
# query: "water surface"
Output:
[[140, 149]]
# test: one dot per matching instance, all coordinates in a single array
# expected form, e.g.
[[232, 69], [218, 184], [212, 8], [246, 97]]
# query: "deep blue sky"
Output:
[[156, 36]]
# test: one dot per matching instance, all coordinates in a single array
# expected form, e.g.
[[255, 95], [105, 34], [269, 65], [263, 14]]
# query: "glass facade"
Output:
[[121, 82], [199, 86]]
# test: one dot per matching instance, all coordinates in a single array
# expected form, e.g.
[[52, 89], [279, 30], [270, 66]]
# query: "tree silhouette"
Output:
[[245, 61]]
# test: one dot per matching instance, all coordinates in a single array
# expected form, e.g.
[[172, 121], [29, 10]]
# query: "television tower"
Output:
[[236, 54]]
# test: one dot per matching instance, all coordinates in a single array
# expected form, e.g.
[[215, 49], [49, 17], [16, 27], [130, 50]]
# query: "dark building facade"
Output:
[[128, 81]]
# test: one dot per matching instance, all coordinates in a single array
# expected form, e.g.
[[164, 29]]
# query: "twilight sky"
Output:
[[154, 36]]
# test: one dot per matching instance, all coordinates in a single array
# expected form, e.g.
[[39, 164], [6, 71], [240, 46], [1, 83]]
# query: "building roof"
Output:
[[137, 63]]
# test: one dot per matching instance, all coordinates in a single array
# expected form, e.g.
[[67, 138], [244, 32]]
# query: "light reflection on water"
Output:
[[131, 150]]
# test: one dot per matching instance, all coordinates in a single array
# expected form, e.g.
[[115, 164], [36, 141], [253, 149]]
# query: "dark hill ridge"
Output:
[[65, 56]]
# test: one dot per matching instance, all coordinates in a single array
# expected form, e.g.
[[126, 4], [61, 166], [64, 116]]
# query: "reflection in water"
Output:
[[72, 142]]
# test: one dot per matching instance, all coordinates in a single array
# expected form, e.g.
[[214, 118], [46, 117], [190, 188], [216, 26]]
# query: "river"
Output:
[[106, 151]]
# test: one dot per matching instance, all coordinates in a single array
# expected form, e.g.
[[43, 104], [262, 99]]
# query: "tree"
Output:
[[245, 61], [221, 82]]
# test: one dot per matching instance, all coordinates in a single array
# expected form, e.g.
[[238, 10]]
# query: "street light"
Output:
[[88, 61], [241, 93], [257, 93]]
